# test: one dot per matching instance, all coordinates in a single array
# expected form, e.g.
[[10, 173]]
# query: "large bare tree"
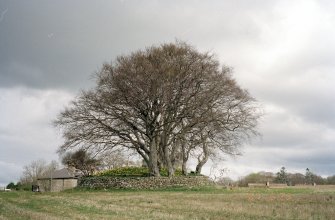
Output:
[[164, 103]]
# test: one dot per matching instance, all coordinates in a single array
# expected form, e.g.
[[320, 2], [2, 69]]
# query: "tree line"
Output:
[[291, 179]]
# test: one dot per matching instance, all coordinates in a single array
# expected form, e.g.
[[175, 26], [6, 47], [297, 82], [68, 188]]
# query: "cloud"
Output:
[[99, 32], [2, 15], [281, 51], [9, 173], [26, 131], [287, 140]]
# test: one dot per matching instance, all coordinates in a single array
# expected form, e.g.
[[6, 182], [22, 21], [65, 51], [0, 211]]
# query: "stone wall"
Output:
[[104, 182], [268, 185], [257, 185]]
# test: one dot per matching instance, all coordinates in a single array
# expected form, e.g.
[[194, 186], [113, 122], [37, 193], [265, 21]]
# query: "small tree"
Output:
[[36, 169], [312, 178], [282, 176], [331, 180], [81, 160], [309, 177], [11, 185], [23, 186]]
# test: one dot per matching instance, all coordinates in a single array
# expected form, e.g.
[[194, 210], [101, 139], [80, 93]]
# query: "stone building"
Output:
[[59, 180]]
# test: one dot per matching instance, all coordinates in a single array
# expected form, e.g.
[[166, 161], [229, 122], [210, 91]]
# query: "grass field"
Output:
[[206, 203]]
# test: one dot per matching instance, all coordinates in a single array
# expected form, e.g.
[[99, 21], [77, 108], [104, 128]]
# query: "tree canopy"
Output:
[[81, 160], [282, 176], [166, 103]]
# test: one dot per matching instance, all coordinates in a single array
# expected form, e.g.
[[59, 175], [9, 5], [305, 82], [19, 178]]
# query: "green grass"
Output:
[[173, 203]]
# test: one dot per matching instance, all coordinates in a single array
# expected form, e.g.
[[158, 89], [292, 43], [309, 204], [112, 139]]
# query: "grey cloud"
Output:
[[322, 163], [86, 35], [2, 14], [26, 132], [48, 47], [280, 127], [311, 100], [9, 173]]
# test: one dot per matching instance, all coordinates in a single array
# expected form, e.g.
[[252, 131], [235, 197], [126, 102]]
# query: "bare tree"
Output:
[[36, 169], [157, 100], [117, 158]]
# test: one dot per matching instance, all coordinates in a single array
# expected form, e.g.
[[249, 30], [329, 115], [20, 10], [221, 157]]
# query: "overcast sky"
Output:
[[283, 52]]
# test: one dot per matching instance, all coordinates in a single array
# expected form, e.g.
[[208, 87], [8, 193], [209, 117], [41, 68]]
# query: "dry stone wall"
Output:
[[105, 182]]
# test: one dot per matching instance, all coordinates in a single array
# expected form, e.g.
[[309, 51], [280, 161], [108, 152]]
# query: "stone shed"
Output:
[[59, 180]]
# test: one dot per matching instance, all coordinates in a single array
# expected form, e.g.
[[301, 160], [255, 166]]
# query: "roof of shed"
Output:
[[61, 174]]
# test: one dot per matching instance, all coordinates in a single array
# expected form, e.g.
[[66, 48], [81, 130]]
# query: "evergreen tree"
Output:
[[282, 176]]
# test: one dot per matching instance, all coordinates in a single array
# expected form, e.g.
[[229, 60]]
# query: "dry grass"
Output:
[[210, 203]]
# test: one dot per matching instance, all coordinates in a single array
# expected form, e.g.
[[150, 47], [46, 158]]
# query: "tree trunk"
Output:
[[171, 170], [145, 157], [203, 160], [153, 160], [169, 165], [184, 160], [167, 157], [184, 168]]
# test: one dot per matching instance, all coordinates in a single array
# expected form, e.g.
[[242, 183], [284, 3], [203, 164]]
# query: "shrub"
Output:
[[24, 186], [134, 172], [125, 171], [164, 172], [11, 185], [19, 186]]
